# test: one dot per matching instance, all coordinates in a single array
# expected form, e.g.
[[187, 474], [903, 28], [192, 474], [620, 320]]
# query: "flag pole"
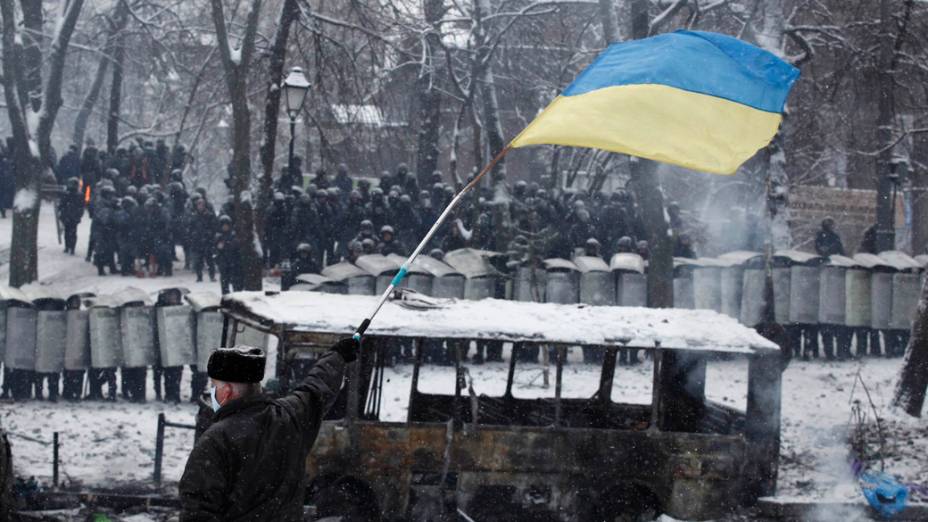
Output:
[[428, 236]]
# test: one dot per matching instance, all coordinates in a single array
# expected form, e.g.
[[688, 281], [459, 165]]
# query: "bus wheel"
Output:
[[626, 503], [347, 499]]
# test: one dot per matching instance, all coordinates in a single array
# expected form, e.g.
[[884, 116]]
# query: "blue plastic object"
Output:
[[398, 278], [884, 493]]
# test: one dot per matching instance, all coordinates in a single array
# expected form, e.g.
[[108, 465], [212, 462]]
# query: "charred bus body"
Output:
[[559, 458]]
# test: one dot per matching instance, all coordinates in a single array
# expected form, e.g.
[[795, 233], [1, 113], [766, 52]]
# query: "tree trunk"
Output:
[[119, 59], [608, 20], [651, 199], [913, 377], [117, 24], [885, 233], [28, 99], [83, 115], [485, 81], [429, 97], [33, 21], [236, 74], [289, 12]]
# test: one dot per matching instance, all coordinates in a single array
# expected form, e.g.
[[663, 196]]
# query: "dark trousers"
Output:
[[198, 382], [39, 384], [91, 238], [7, 382], [21, 384], [628, 356], [528, 354], [828, 332], [810, 344], [199, 259], [862, 338], [592, 354], [73, 384], [172, 377], [126, 261], [228, 279], [433, 351], [273, 252], [793, 340], [157, 375], [134, 383], [70, 237], [896, 342], [100, 377], [875, 344]]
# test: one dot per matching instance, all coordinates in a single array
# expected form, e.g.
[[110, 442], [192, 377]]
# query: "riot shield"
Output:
[[77, 348], [803, 294], [176, 341], [137, 324], [105, 337], [51, 338]]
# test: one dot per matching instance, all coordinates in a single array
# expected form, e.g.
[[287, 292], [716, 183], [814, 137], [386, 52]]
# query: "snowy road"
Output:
[[108, 443]]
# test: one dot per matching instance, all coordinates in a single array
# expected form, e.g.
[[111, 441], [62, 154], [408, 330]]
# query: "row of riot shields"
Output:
[[867, 291], [463, 274], [44, 333]]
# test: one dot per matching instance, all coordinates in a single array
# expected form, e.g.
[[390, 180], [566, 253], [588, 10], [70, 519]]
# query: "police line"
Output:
[[44, 333], [866, 291]]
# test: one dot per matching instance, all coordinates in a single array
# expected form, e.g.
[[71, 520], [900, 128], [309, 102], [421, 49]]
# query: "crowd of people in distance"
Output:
[[142, 210]]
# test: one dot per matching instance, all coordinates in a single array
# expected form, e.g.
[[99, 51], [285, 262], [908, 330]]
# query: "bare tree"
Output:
[[289, 12], [116, 24], [119, 58], [32, 108], [913, 376], [428, 93], [236, 63]]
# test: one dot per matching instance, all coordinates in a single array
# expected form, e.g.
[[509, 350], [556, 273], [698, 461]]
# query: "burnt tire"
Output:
[[626, 503], [349, 498]]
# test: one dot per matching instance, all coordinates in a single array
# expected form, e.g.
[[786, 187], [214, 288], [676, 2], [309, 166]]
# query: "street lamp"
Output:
[[295, 87], [899, 169]]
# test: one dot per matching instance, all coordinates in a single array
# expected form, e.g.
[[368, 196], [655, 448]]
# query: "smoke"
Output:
[[721, 214]]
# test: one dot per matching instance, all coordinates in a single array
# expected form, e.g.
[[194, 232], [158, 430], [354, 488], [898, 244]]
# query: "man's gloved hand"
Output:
[[347, 348]]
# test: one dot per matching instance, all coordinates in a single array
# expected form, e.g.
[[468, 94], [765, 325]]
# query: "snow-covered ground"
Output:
[[103, 444]]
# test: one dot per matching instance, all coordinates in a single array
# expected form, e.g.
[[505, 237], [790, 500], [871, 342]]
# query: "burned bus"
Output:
[[458, 443]]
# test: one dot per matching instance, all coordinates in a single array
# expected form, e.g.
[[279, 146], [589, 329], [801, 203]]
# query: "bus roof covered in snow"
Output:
[[494, 319]]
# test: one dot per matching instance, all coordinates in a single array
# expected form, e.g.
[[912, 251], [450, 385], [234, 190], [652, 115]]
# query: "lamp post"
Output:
[[295, 87]]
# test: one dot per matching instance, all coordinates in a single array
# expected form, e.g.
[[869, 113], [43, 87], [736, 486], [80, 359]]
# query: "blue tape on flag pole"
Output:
[[398, 278]]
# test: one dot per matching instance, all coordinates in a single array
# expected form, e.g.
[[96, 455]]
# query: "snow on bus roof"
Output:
[[502, 320]]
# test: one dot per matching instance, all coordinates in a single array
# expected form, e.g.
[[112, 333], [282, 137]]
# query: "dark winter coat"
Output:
[[868, 243], [275, 228], [828, 243], [250, 464], [91, 169], [344, 184], [394, 246], [127, 222], [201, 230], [156, 230], [68, 167], [105, 241], [71, 207], [228, 253]]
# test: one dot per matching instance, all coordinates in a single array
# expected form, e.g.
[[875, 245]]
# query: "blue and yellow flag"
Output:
[[700, 100]]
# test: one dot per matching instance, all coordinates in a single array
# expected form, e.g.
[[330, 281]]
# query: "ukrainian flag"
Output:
[[700, 100]]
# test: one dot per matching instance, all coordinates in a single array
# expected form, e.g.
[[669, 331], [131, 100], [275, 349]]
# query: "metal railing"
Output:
[[159, 443]]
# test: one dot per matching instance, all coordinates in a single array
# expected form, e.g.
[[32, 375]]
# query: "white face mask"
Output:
[[212, 397]]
